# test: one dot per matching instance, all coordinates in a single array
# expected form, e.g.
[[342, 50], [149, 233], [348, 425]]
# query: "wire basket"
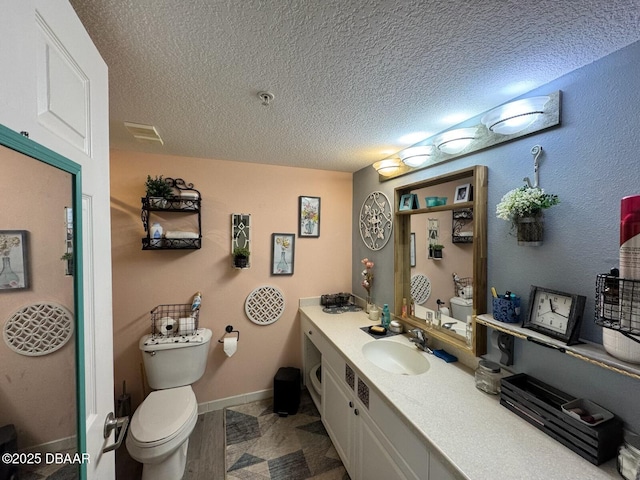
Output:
[[174, 320], [463, 287], [618, 304]]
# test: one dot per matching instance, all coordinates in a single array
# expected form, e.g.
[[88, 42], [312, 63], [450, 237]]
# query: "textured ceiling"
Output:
[[350, 77]]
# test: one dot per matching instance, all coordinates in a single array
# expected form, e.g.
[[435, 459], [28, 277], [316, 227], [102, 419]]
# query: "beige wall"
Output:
[[37, 394], [144, 279]]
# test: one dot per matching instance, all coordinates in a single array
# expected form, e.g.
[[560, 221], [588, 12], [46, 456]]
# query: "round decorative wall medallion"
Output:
[[420, 288], [38, 329], [264, 305], [376, 220]]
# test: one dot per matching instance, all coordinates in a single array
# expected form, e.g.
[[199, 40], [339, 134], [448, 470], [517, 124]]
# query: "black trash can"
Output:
[[8, 444], [286, 391]]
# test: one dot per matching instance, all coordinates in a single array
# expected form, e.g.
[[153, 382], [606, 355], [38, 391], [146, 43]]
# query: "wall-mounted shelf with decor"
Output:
[[462, 225], [588, 352], [186, 201]]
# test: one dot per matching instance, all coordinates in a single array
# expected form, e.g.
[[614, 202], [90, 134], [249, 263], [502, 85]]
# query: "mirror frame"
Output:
[[402, 240], [22, 144]]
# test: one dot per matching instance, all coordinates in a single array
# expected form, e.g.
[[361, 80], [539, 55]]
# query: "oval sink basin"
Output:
[[395, 357]]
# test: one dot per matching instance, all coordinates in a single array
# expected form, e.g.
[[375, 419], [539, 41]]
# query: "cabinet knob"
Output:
[[356, 412], [310, 332], [350, 404]]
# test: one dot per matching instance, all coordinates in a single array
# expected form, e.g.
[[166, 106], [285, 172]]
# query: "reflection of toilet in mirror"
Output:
[[461, 308], [160, 428]]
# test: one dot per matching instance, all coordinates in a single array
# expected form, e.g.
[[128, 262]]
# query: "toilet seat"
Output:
[[163, 416]]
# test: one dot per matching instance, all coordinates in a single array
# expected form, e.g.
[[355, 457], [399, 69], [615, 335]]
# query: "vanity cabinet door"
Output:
[[374, 452], [338, 415]]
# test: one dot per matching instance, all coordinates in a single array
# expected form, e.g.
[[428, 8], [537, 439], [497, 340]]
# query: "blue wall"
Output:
[[591, 161]]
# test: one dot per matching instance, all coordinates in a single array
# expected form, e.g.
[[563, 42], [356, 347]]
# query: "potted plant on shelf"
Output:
[[158, 191], [68, 257], [241, 257], [435, 251]]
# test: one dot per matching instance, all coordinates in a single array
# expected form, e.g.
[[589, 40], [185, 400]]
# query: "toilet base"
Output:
[[172, 468]]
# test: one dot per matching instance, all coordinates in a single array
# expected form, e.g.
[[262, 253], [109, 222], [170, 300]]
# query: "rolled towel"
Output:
[[179, 234], [186, 326], [189, 195]]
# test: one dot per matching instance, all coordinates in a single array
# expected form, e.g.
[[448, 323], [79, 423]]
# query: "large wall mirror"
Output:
[[441, 255], [39, 231]]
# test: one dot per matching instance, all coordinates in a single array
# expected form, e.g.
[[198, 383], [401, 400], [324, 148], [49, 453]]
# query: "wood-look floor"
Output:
[[205, 456]]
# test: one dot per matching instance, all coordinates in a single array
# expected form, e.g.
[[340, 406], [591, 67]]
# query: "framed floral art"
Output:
[[309, 217], [14, 272], [282, 253]]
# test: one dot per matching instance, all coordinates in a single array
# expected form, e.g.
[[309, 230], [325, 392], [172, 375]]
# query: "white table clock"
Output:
[[556, 314]]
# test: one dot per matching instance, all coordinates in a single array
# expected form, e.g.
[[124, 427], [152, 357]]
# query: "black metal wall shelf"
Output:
[[189, 204], [460, 219]]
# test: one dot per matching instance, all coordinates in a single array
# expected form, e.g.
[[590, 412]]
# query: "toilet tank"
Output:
[[461, 308], [175, 361]]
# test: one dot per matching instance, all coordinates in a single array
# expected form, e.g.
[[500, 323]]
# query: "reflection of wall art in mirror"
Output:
[[413, 250], [282, 253], [14, 273], [463, 193], [405, 202], [309, 217]]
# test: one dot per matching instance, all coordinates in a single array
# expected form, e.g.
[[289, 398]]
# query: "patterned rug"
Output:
[[263, 445]]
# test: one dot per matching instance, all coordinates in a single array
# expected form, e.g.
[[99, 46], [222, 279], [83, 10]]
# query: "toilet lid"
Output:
[[162, 414]]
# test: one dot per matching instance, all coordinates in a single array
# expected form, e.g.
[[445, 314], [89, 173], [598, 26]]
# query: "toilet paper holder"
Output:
[[229, 329]]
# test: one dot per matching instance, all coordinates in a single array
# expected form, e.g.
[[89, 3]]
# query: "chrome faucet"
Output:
[[419, 339]]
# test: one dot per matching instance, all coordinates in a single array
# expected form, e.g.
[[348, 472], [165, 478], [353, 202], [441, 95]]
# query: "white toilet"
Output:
[[461, 308], [160, 428]]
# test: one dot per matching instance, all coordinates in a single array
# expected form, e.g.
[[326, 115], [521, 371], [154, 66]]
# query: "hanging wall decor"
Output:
[[376, 221], [309, 217], [282, 253], [14, 272]]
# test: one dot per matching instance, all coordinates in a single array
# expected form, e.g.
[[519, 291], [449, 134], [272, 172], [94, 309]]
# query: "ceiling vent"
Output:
[[144, 133]]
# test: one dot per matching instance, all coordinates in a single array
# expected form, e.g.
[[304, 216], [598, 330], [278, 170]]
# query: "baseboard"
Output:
[[234, 401], [55, 446]]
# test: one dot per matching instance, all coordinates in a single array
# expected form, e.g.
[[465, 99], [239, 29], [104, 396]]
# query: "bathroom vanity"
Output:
[[433, 425]]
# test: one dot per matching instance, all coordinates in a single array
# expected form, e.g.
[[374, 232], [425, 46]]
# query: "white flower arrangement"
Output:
[[524, 202]]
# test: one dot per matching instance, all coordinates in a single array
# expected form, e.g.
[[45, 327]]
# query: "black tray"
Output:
[[540, 405]]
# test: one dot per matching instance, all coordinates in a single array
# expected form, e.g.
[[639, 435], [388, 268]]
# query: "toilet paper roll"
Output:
[[230, 345], [166, 326], [467, 292], [186, 326]]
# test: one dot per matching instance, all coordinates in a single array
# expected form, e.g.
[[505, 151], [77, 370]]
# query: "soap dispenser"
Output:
[[386, 316]]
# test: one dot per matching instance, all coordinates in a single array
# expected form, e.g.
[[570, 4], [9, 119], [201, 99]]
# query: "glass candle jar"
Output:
[[488, 377]]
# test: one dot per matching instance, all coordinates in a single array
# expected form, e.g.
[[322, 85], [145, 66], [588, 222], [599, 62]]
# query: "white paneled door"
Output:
[[54, 86]]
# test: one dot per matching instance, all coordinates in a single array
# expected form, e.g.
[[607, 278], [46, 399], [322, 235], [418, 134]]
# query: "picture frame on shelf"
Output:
[[14, 272], [308, 216], [463, 193], [408, 201], [282, 253]]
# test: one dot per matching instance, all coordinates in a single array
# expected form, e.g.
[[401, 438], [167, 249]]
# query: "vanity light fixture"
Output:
[[387, 167], [416, 156], [455, 141], [515, 116]]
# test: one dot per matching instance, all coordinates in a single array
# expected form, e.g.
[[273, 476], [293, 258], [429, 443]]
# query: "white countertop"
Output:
[[470, 428]]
